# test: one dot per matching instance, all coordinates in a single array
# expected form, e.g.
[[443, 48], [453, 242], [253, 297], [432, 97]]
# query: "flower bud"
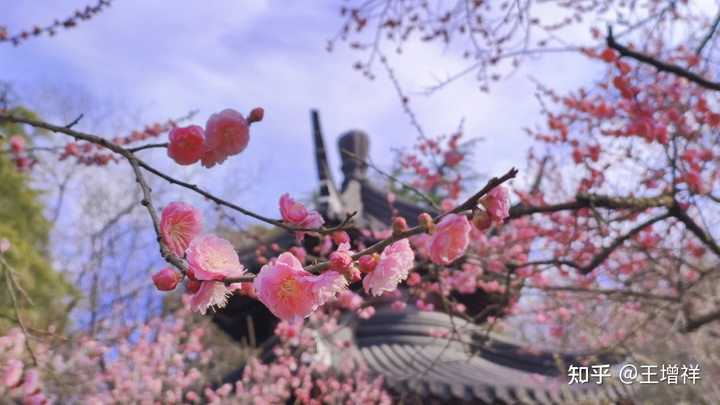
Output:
[[426, 221], [399, 225], [166, 279], [17, 143], [340, 237], [256, 115], [340, 261], [368, 262]]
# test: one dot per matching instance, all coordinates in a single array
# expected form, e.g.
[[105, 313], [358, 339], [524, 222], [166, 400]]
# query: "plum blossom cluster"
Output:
[[226, 133], [436, 166], [301, 372], [19, 381], [290, 291], [167, 361], [210, 259], [19, 153], [69, 22], [90, 154]]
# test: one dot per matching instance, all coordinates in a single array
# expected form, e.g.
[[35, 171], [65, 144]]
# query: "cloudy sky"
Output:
[[157, 60]]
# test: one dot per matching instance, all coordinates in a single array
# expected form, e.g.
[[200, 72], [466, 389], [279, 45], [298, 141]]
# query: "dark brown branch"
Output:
[[599, 258], [694, 324], [608, 292], [471, 202], [606, 252], [148, 146], [709, 35], [693, 227], [75, 121], [593, 200], [128, 154], [660, 65]]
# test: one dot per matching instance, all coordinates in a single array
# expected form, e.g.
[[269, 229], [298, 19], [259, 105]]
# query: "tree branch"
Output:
[[693, 227], [593, 200], [659, 65]]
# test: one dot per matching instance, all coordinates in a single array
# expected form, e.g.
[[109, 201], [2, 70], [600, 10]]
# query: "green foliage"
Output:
[[23, 224]]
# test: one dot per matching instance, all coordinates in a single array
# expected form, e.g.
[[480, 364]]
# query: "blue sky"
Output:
[[156, 60]]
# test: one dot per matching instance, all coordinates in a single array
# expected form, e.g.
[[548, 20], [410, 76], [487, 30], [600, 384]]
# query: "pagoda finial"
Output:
[[354, 147]]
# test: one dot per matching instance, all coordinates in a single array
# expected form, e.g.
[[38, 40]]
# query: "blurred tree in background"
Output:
[[41, 293]]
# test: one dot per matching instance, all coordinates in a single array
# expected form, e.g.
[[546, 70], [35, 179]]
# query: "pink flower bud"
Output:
[[340, 260], [186, 144], [426, 221], [166, 279], [17, 143], [256, 115], [368, 262], [399, 225], [340, 237]]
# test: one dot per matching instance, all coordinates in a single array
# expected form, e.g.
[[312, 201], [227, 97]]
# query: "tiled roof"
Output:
[[468, 369]]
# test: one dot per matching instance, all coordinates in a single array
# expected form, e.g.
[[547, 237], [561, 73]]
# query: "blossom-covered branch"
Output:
[[69, 22]]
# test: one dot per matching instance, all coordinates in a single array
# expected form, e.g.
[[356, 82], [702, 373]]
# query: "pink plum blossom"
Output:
[[392, 268], [212, 294], [292, 211], [186, 144], [291, 292], [226, 134], [497, 204], [450, 239], [213, 258], [179, 224], [296, 214], [4, 245]]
